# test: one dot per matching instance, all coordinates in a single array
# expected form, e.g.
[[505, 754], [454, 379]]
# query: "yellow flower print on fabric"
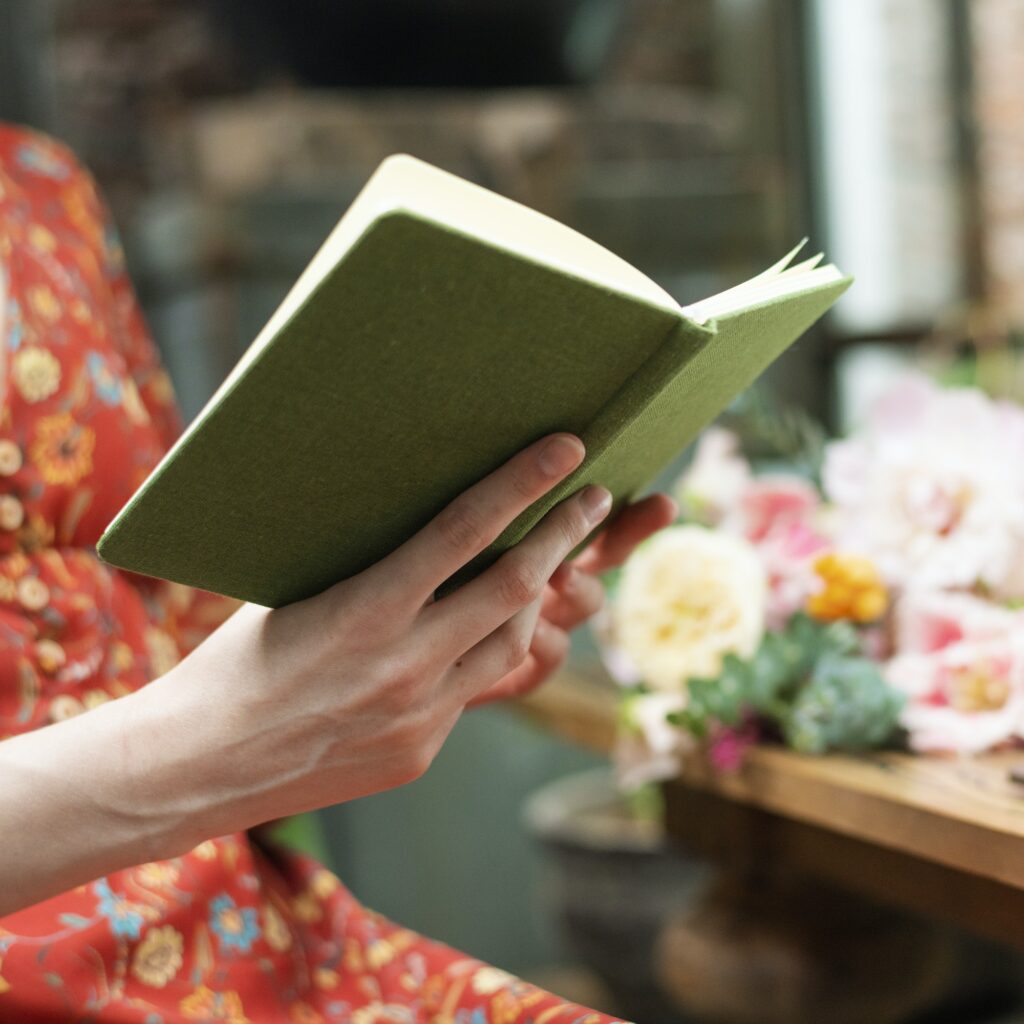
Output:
[[94, 698], [377, 1013], [44, 303], [41, 238], [159, 874], [36, 373], [275, 930], [50, 656], [306, 908], [354, 963], [488, 980], [326, 978], [62, 449], [65, 706], [162, 650], [323, 883], [121, 656], [505, 1008], [159, 956], [303, 1013], [161, 389], [379, 953], [132, 402], [206, 1005]]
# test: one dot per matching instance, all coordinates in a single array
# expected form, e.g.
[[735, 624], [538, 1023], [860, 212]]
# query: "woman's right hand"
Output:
[[354, 691]]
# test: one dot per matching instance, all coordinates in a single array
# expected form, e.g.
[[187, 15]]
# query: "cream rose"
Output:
[[686, 598]]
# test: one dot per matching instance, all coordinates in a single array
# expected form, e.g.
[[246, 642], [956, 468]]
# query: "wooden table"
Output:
[[943, 836]]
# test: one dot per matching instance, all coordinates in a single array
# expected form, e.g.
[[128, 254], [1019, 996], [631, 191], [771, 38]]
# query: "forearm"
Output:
[[127, 782]]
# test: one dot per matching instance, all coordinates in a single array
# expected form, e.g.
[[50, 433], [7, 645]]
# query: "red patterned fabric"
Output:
[[228, 932]]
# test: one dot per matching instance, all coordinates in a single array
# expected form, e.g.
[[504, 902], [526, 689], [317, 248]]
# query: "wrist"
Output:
[[209, 760], [180, 755]]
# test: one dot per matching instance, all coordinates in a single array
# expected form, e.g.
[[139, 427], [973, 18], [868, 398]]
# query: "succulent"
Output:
[[809, 682]]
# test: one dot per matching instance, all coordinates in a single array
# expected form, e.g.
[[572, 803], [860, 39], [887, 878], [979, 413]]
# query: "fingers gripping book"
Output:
[[438, 330]]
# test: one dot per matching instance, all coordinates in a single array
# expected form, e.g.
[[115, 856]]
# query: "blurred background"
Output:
[[699, 139]]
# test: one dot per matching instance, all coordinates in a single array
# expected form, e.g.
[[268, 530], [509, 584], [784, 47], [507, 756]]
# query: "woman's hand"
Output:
[[574, 594], [355, 690], [348, 693]]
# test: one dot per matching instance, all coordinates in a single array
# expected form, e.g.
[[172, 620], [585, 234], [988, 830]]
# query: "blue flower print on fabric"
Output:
[[234, 926], [124, 921]]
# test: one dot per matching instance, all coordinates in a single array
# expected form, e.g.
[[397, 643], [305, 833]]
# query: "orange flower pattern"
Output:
[[230, 931]]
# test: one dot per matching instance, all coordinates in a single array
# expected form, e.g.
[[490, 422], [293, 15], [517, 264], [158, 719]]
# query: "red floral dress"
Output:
[[228, 932]]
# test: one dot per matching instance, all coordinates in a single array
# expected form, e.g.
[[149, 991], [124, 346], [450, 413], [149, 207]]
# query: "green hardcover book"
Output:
[[440, 329]]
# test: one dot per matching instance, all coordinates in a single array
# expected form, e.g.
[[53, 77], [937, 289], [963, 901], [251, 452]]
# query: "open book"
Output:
[[439, 329]]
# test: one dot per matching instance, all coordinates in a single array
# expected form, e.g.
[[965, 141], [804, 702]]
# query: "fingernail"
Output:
[[597, 503], [560, 455]]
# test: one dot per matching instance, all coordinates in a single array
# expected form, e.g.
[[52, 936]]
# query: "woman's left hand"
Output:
[[575, 593]]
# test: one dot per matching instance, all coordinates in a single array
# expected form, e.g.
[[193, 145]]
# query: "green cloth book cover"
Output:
[[440, 329]]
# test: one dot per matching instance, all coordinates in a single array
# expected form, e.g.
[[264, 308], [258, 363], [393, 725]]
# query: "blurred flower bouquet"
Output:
[[876, 604]]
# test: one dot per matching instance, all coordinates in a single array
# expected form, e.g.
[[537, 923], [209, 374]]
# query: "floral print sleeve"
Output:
[[227, 932]]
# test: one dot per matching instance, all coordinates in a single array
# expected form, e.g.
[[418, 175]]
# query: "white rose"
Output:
[[716, 478], [686, 598], [650, 748]]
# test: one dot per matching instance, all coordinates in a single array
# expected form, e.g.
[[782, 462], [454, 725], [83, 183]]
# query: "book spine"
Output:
[[684, 341], [629, 440]]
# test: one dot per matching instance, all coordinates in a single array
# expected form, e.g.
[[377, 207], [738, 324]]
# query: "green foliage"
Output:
[[772, 431], [845, 705], [809, 681]]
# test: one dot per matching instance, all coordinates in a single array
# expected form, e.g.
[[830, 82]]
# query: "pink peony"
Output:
[[932, 490], [781, 516], [930, 621], [960, 662], [773, 503]]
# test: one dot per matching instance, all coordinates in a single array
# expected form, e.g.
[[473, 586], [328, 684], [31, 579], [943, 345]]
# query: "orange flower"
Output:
[[62, 449], [205, 1004], [303, 1013], [505, 1008], [852, 590]]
